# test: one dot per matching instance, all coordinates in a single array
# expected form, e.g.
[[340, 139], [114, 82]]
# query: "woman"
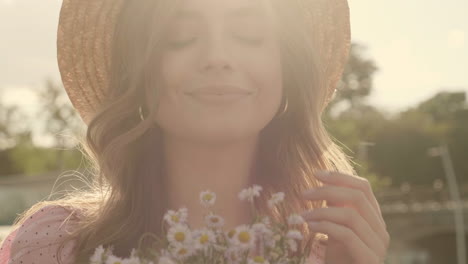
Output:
[[184, 96]]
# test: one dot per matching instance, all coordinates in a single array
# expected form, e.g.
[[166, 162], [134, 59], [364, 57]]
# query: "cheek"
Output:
[[173, 71], [182, 117], [266, 74]]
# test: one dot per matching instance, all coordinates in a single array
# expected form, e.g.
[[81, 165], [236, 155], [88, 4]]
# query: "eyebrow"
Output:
[[246, 11]]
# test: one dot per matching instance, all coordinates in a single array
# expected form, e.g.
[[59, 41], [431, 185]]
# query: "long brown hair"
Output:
[[125, 153]]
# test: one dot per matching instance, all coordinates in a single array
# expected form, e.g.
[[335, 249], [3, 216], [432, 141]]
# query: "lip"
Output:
[[221, 89], [223, 99]]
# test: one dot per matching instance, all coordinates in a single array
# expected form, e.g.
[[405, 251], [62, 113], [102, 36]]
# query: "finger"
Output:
[[354, 245], [356, 182], [350, 218], [360, 183], [338, 196]]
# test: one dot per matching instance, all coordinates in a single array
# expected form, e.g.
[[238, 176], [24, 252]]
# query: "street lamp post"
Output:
[[443, 152], [362, 149]]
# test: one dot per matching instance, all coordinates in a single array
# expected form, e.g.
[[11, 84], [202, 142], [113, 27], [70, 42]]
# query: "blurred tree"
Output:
[[19, 153], [12, 125], [357, 124], [13, 129], [58, 114], [349, 119], [351, 129], [401, 152], [458, 144], [444, 106], [60, 118], [357, 80], [448, 112], [401, 141]]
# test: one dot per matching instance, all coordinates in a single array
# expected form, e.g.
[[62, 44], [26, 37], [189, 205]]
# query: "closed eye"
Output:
[[181, 44], [255, 41]]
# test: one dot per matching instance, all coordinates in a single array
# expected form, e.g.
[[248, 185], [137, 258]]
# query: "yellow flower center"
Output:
[[231, 233], [204, 239], [259, 259], [207, 197], [175, 218], [179, 236], [182, 251], [244, 237]]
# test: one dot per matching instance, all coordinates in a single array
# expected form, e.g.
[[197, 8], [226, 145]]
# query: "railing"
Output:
[[408, 193], [420, 199]]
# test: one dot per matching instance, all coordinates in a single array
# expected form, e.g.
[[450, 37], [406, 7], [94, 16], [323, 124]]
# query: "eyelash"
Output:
[[180, 44], [250, 41]]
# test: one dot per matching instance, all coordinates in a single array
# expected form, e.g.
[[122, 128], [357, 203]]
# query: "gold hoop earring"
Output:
[[140, 111], [285, 108]]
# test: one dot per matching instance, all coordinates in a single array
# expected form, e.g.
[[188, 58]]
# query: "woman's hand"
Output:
[[353, 221]]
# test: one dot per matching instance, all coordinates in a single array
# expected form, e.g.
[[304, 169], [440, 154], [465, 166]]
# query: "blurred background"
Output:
[[401, 113]]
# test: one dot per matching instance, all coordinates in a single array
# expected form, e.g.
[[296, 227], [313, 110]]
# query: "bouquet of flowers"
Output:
[[262, 241]]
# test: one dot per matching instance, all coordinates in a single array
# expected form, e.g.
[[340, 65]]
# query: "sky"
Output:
[[419, 46]]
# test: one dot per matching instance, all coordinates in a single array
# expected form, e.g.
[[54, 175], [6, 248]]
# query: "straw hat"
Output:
[[85, 31]]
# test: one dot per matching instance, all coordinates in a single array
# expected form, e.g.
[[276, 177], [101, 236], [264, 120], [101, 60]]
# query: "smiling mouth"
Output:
[[219, 90], [217, 93], [219, 98]]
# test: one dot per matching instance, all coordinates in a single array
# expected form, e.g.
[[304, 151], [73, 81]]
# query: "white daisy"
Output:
[[219, 247], [131, 260], [230, 234], [207, 198], [109, 250], [133, 253], [214, 221], [203, 238], [266, 220], [250, 193], [283, 261], [181, 251], [275, 199], [111, 259], [277, 237], [262, 231], [295, 219], [165, 260], [292, 244], [244, 237], [179, 234], [294, 234], [258, 260], [96, 258], [260, 228], [176, 217], [270, 242], [273, 254], [233, 255]]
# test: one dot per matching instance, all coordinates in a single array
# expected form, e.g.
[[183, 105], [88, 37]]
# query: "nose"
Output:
[[216, 54]]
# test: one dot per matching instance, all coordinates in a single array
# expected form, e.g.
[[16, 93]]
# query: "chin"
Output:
[[223, 134]]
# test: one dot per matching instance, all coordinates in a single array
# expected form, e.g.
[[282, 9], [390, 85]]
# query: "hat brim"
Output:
[[85, 31]]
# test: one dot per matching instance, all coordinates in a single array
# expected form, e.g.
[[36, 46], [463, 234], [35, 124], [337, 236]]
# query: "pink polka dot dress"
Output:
[[37, 240]]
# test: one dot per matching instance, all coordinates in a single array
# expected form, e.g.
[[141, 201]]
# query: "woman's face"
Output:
[[220, 70]]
